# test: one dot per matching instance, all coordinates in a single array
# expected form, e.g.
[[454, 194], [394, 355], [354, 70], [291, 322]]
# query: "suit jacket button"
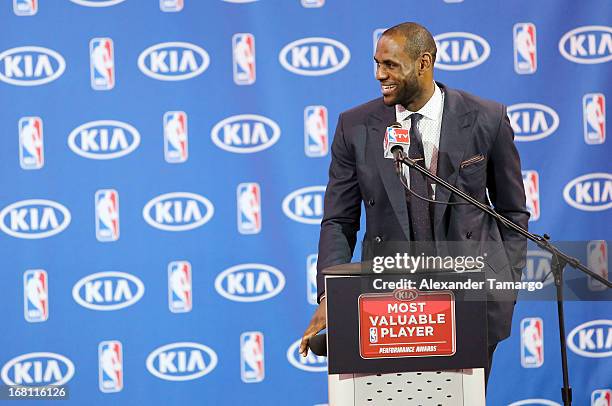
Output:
[[378, 239], [371, 202], [468, 235]]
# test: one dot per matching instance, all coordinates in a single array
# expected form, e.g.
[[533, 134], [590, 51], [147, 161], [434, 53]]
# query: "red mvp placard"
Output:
[[406, 323]]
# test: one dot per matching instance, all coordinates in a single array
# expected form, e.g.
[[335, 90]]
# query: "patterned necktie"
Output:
[[419, 210]]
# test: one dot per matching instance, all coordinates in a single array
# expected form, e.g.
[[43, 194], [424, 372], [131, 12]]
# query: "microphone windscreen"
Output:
[[318, 344], [395, 124]]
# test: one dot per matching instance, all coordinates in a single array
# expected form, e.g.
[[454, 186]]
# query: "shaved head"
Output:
[[416, 38]]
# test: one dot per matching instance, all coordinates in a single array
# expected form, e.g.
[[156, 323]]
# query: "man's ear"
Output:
[[425, 62]]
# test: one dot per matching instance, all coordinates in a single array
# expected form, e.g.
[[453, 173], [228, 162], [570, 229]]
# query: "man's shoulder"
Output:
[[473, 102], [362, 110]]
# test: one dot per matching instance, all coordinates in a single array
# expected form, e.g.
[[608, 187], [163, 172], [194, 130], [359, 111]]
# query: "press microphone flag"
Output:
[[396, 137]]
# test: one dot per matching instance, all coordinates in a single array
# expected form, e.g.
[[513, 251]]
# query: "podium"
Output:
[[390, 341]]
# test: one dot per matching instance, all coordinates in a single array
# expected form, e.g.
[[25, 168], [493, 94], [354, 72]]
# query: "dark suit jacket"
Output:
[[358, 172]]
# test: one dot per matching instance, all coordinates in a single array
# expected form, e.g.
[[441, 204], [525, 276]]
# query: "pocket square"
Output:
[[473, 160]]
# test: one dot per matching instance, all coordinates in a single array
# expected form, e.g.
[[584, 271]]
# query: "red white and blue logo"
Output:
[[601, 397], [313, 3], [316, 136], [176, 146], [531, 182], [31, 144], [110, 366], [594, 118], [249, 208], [171, 6], [243, 49], [180, 296], [25, 7], [597, 261], [252, 361], [532, 342], [311, 279], [107, 215], [35, 295], [102, 63], [525, 48]]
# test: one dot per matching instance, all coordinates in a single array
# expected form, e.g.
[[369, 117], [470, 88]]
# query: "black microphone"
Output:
[[318, 344]]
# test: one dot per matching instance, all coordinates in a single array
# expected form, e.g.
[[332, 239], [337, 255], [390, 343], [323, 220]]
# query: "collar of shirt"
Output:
[[430, 110]]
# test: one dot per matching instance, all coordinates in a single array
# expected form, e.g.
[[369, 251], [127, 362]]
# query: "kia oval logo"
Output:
[[31, 66], [309, 363], [250, 282], [184, 361], [245, 133], [532, 121], [37, 369], [460, 50], [34, 218], [305, 205], [587, 45], [103, 139], [97, 3], [592, 339], [314, 56], [535, 402], [173, 61], [406, 295], [590, 192], [178, 211], [106, 291], [537, 267]]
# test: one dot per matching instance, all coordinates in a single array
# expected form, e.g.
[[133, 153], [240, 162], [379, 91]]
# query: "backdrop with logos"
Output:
[[163, 166]]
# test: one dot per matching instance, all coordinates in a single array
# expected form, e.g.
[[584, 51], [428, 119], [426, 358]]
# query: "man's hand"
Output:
[[317, 323]]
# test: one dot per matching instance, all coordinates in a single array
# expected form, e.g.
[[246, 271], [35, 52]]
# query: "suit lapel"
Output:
[[377, 124], [457, 124]]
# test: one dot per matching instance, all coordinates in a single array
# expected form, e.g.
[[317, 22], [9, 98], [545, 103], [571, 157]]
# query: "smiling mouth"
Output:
[[387, 89]]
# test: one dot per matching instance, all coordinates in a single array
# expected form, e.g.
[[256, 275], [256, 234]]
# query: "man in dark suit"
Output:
[[466, 140]]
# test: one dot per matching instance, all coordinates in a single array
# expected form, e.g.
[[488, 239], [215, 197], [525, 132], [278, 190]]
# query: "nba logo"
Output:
[[170, 6], [102, 63], [373, 335], [597, 261], [107, 215], [594, 117], [531, 182], [249, 208], [313, 3], [375, 37], [311, 279], [252, 357], [175, 137], [180, 296], [601, 397], [315, 131], [25, 7], [243, 48], [31, 147], [525, 48], [532, 342], [110, 366], [35, 296]]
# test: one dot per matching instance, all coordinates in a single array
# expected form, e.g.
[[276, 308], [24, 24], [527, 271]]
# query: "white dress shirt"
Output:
[[429, 126]]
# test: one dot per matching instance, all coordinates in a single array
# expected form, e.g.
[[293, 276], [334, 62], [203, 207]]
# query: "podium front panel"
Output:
[[396, 339]]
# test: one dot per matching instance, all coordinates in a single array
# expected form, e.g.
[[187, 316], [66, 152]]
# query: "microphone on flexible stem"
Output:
[[396, 144]]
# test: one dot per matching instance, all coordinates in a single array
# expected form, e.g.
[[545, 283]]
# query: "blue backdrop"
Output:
[[163, 166]]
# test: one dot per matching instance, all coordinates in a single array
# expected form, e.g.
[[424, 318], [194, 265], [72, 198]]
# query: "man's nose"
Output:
[[381, 73]]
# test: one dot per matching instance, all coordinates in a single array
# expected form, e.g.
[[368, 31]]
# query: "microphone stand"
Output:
[[559, 258]]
